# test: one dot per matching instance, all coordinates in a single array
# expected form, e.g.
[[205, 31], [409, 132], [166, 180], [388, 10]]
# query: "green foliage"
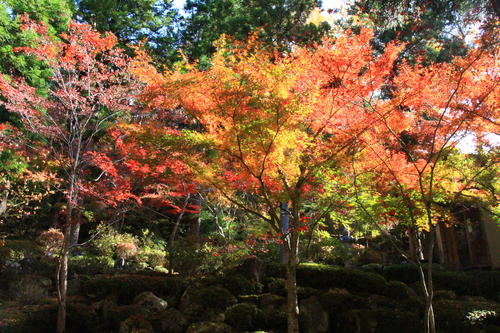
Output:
[[108, 238], [133, 21], [430, 28], [55, 13], [91, 264], [283, 23]]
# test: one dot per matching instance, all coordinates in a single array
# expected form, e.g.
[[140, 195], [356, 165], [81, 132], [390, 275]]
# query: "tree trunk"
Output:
[[291, 286], [62, 274], [429, 309], [284, 222], [195, 223], [291, 252], [174, 234], [427, 286], [75, 231], [3, 202]]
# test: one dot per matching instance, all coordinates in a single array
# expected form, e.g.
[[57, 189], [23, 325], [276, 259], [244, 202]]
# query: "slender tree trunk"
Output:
[[62, 281], [291, 286], [195, 223], [429, 309], [427, 286], [284, 223], [3, 202], [174, 234], [62, 267], [75, 231]]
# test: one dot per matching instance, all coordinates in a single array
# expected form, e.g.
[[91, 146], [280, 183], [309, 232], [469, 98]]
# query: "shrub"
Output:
[[340, 300], [240, 285], [398, 290], [242, 316], [125, 287], [91, 264], [216, 297], [151, 258], [209, 327], [108, 238], [51, 241], [125, 250], [277, 286], [455, 316], [325, 277]]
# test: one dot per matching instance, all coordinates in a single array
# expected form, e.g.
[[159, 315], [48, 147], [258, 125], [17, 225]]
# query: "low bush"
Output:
[[91, 264], [243, 316], [126, 286], [325, 277], [240, 285], [465, 316]]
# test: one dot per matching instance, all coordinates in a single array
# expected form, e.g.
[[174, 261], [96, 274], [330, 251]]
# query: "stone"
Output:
[[150, 302]]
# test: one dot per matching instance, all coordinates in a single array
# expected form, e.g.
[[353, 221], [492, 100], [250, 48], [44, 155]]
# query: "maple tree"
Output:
[[272, 122], [435, 107], [89, 86]]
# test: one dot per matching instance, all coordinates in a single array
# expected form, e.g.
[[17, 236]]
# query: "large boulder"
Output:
[[150, 303]]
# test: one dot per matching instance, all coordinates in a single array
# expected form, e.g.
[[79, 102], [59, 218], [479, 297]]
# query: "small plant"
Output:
[[51, 240], [478, 317], [125, 250]]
